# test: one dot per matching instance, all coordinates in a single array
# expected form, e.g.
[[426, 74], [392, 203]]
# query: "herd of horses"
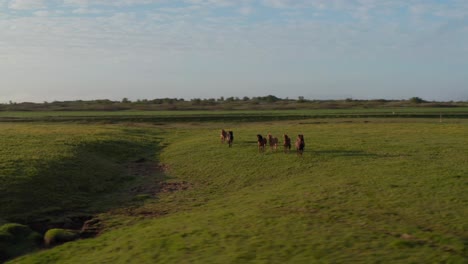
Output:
[[228, 136]]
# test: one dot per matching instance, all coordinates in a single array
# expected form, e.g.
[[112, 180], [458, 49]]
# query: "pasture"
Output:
[[365, 190], [229, 116]]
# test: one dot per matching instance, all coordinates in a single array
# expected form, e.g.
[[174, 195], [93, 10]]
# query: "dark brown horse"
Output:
[[223, 135], [273, 142], [286, 143], [261, 142], [300, 144], [230, 138]]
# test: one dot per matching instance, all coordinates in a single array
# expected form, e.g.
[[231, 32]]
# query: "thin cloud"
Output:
[[42, 13], [87, 11], [246, 10], [118, 3], [26, 4]]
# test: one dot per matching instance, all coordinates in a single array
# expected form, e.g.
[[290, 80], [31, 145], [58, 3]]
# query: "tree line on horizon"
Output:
[[269, 102]]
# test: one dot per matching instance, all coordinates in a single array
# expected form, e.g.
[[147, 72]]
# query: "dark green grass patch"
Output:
[[48, 170], [229, 116], [16, 239]]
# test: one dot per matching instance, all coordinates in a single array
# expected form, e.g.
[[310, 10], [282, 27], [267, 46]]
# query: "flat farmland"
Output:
[[374, 190], [230, 116]]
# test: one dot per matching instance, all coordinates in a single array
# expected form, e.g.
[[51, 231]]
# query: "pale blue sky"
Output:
[[320, 49]]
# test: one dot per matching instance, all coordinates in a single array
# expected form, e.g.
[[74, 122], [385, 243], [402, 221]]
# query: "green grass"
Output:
[[51, 169], [375, 192], [220, 114]]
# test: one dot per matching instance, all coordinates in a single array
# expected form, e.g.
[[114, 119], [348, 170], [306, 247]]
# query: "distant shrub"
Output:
[[57, 236], [416, 100], [17, 239]]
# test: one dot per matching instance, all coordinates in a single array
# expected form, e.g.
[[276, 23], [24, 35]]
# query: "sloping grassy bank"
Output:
[[59, 175], [49, 168], [362, 192]]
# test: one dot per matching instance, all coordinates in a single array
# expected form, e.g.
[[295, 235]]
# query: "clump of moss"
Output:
[[17, 239], [57, 236]]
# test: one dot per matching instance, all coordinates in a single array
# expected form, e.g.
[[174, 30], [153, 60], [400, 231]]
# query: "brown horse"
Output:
[[230, 138], [273, 142], [286, 143], [261, 142], [300, 144], [223, 135]]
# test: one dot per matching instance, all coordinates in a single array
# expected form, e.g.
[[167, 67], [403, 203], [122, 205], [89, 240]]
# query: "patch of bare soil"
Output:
[[150, 186], [140, 212], [146, 169], [91, 228], [418, 241], [142, 168], [166, 187]]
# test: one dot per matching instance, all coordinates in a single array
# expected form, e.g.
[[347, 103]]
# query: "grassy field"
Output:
[[231, 116], [365, 190]]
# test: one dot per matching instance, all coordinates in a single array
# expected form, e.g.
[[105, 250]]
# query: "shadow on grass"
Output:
[[75, 187], [348, 153], [249, 142]]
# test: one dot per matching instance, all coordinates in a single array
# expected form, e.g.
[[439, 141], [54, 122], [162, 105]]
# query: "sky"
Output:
[[320, 49]]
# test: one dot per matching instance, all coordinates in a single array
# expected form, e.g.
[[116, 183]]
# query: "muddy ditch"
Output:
[[148, 184]]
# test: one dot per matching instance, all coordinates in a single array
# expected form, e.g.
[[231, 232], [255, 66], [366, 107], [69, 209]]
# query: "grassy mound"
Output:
[[57, 236], [17, 239]]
